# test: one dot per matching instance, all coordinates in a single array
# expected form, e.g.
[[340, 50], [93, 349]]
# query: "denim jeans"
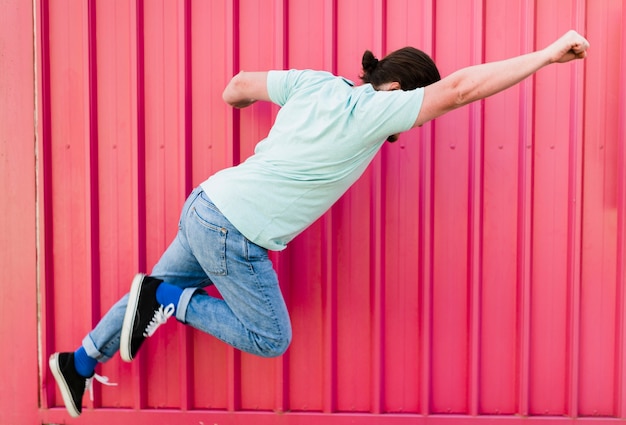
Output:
[[209, 250]]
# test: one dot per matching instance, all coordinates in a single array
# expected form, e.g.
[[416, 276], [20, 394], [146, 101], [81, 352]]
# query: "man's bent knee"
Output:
[[273, 347]]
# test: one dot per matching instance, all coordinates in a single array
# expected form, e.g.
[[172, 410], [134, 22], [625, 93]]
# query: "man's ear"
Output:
[[394, 85]]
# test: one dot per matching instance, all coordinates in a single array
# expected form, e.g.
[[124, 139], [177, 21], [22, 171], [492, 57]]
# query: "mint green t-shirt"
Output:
[[325, 134]]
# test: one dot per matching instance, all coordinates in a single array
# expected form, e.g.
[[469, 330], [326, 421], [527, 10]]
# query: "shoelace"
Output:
[[160, 316], [102, 379]]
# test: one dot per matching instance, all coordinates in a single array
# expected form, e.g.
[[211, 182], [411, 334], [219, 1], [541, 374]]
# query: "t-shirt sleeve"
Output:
[[280, 85], [401, 108], [391, 112]]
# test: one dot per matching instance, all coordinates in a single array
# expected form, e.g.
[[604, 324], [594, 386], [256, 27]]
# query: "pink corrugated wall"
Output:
[[474, 273], [19, 370]]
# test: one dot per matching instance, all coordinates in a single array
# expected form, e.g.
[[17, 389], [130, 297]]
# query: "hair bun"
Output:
[[369, 61]]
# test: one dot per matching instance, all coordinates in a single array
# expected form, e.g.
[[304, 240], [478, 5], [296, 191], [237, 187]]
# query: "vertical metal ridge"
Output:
[[329, 265], [93, 144], [620, 339], [188, 96], [377, 247], [46, 213], [377, 291], [138, 368], [380, 26], [281, 399], [186, 368], [93, 168], [574, 213], [329, 311], [39, 298], [141, 138], [426, 224], [233, 42], [233, 375], [525, 220], [330, 30], [475, 199], [426, 205], [282, 35], [185, 335]]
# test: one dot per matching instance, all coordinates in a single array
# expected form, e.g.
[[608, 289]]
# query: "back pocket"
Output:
[[208, 244]]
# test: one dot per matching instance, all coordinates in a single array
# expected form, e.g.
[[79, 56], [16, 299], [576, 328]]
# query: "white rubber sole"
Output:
[[129, 319], [62, 384]]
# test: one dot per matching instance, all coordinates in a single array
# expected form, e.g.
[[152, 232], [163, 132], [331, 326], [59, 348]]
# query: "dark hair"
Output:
[[408, 66]]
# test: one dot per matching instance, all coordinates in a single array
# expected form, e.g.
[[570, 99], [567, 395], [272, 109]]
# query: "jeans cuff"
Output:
[[92, 351], [183, 302]]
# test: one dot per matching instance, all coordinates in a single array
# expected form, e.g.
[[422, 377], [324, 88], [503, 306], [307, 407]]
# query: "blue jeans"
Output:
[[209, 250]]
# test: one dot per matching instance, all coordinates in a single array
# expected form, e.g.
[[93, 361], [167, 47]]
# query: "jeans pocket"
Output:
[[208, 243], [254, 251]]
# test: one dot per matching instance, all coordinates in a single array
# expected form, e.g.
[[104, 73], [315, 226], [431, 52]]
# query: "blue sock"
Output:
[[168, 294], [84, 364]]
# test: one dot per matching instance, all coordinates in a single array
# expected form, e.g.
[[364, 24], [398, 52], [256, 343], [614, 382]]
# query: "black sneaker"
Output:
[[71, 383], [143, 315]]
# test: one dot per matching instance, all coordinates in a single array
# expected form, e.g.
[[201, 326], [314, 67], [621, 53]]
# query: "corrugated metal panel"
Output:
[[18, 255], [476, 269]]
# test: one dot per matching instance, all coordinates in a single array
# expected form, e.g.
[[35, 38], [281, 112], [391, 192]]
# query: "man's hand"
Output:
[[569, 47]]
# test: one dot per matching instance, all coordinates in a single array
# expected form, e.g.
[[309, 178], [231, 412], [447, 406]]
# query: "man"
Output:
[[324, 136]]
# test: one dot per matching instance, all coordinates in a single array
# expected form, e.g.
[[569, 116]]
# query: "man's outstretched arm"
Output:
[[477, 82]]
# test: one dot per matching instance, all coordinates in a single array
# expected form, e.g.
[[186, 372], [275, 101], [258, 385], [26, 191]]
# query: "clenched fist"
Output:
[[569, 47]]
